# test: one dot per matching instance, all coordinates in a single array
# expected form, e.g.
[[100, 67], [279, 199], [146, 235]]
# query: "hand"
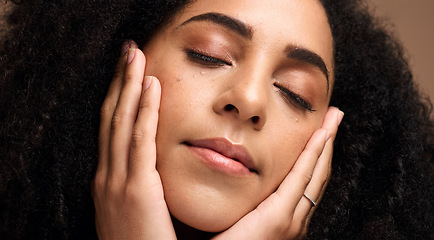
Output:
[[286, 213], [127, 190]]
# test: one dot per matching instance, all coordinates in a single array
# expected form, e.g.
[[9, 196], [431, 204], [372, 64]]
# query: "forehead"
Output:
[[276, 23]]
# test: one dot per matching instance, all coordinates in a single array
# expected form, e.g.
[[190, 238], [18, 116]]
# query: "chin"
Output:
[[202, 214], [204, 198], [212, 224]]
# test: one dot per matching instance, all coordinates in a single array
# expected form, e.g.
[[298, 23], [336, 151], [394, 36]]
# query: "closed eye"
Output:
[[205, 59], [294, 98]]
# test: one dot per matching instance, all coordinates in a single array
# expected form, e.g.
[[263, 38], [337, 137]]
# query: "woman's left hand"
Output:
[[286, 213]]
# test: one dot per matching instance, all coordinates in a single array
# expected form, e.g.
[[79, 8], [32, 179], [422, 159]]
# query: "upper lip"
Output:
[[223, 146]]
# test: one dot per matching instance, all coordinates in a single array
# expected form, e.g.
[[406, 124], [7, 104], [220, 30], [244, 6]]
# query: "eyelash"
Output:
[[205, 59], [215, 62], [290, 96]]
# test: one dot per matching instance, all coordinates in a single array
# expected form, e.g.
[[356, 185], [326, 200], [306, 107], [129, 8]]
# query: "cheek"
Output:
[[286, 145], [175, 92], [157, 66]]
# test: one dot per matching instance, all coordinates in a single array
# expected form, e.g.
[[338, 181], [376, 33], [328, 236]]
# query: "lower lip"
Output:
[[220, 162]]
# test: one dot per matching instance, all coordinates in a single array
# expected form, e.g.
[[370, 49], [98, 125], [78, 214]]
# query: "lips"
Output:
[[220, 153]]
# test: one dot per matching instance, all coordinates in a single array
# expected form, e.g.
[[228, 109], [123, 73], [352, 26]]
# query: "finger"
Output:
[[106, 113], [143, 149], [323, 168], [125, 114], [321, 175], [293, 186]]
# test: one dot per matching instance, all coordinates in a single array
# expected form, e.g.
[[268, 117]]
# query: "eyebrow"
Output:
[[224, 20], [309, 57], [298, 53]]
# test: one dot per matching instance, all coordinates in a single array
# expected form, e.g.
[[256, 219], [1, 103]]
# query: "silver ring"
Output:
[[310, 199]]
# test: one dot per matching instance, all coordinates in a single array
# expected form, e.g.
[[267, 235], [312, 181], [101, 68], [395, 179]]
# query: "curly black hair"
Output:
[[56, 62]]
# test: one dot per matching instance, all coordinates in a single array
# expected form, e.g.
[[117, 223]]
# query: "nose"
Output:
[[244, 99]]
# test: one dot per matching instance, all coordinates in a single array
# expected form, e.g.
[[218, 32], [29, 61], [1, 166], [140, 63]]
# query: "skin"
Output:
[[136, 160], [195, 94]]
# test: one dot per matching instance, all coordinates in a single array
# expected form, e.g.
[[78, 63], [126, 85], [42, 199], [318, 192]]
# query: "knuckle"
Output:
[[98, 182], [305, 177], [144, 105], [132, 195], [316, 148], [283, 228], [112, 189], [97, 185], [130, 78], [130, 192], [311, 154], [137, 135], [118, 73], [316, 152], [121, 117], [148, 107], [117, 120], [106, 109]]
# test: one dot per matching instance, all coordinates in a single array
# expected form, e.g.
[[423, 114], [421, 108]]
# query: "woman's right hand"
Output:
[[127, 190]]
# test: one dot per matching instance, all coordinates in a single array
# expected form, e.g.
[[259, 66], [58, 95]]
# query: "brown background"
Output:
[[413, 23]]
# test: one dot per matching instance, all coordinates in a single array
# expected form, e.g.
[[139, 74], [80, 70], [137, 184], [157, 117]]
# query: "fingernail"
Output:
[[147, 82], [131, 53], [125, 47], [340, 117]]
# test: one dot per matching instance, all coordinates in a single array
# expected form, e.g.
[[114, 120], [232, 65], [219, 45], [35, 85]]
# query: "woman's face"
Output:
[[244, 85]]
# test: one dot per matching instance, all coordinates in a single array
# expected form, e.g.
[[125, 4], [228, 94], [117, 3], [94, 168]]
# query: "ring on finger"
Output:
[[310, 199]]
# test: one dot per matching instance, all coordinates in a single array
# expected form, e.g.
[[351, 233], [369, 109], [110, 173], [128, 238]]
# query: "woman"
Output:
[[381, 184]]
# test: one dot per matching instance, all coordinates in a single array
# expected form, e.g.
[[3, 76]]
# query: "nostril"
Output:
[[255, 119], [229, 107]]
